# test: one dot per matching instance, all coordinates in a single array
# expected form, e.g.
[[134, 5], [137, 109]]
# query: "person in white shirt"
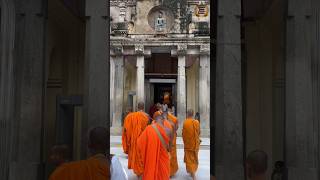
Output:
[[116, 169]]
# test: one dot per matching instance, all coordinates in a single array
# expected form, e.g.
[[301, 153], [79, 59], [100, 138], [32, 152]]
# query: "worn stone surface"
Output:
[[204, 89], [302, 81], [7, 86], [181, 90], [96, 101], [140, 78], [228, 134], [26, 134], [118, 91]]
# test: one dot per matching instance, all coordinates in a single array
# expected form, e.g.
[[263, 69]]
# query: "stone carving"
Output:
[[139, 48], [160, 23], [130, 28], [192, 28], [182, 49], [122, 14], [177, 24], [161, 19], [117, 50], [205, 49]]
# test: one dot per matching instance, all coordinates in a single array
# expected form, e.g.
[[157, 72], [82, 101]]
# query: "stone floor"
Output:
[[204, 159]]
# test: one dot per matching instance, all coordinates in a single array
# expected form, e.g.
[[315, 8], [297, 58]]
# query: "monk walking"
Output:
[[191, 140], [95, 168], [158, 112], [173, 159], [154, 147], [134, 124]]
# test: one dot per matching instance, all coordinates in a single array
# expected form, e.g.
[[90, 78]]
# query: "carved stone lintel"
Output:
[[139, 49], [205, 49], [182, 49]]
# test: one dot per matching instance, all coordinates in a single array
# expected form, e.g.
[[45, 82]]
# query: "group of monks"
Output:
[[150, 143]]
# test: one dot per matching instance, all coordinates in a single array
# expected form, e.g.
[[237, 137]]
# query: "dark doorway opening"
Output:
[[163, 93]]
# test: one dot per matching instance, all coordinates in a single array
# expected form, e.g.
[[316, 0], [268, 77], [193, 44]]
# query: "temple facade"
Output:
[[62, 72], [158, 48]]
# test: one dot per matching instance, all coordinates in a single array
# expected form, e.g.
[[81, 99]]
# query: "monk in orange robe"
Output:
[[158, 112], [126, 127], [154, 148], [191, 140], [95, 168], [134, 124], [173, 160]]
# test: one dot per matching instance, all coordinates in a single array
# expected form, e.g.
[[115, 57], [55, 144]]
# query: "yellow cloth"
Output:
[[134, 124], [94, 168], [153, 154], [191, 140], [173, 153]]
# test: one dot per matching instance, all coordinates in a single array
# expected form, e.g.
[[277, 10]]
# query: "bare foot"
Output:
[[193, 176]]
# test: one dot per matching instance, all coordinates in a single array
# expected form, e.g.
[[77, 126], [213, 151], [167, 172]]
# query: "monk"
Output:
[[59, 154], [95, 168], [158, 112], [134, 124], [124, 131], [154, 150], [257, 165], [191, 140], [173, 158]]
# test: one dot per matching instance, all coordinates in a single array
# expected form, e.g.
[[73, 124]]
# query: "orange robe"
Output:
[[157, 113], [154, 156], [191, 140], [126, 131], [134, 125], [173, 158], [93, 168]]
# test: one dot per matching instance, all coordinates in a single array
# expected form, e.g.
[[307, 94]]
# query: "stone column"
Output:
[[228, 108], [117, 73], [97, 90], [302, 90], [112, 76], [25, 134], [181, 83], [204, 88], [139, 49], [7, 87]]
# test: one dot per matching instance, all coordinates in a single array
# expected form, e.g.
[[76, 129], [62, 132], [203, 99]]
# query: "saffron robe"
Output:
[[157, 113], [94, 168], [154, 156], [191, 140], [173, 158], [134, 125]]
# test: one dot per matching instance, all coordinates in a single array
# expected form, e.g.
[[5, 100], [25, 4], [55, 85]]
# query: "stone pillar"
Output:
[[228, 108], [119, 80], [139, 49], [181, 83], [112, 87], [25, 134], [302, 90], [116, 88], [7, 86], [204, 88], [97, 92]]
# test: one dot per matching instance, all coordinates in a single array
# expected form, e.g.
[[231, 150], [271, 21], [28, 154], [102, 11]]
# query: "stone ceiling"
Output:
[[256, 8]]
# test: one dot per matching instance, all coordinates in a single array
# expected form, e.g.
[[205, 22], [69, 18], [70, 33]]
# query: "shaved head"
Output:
[[190, 113], [140, 106], [257, 163], [158, 105], [98, 139], [129, 109]]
